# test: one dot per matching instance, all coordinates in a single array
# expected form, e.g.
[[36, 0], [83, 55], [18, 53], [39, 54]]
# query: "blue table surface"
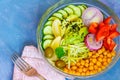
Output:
[[18, 24]]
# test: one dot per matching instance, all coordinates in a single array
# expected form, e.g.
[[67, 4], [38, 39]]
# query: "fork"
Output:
[[24, 67]]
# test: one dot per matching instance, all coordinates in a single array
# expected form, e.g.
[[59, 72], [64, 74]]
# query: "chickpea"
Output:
[[83, 74], [78, 64], [86, 61], [113, 53], [82, 62], [88, 72], [74, 67], [101, 56], [109, 55], [77, 73], [91, 64], [94, 60], [103, 67], [105, 63], [109, 60], [66, 70], [91, 68], [100, 59], [90, 54], [104, 59], [95, 67], [105, 53], [98, 63], [99, 69], [80, 70], [86, 64], [72, 64], [84, 69]]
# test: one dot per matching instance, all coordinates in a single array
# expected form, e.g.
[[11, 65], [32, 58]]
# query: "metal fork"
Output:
[[24, 67]]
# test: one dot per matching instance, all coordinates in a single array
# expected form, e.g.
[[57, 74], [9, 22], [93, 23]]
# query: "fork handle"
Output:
[[40, 77]]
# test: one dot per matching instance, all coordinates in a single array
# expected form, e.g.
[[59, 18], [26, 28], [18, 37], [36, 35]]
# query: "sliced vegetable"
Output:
[[52, 18], [69, 10], [51, 37], [64, 13], [82, 33], [113, 35], [102, 33], [112, 45], [59, 51], [85, 6], [56, 42], [101, 25], [72, 18], [58, 15], [56, 27], [107, 20], [91, 43], [47, 30], [113, 27], [92, 14], [76, 10], [93, 27], [46, 43], [48, 23], [109, 44], [82, 8], [105, 44]]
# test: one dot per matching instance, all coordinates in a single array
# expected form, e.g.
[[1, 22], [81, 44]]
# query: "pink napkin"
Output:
[[34, 58]]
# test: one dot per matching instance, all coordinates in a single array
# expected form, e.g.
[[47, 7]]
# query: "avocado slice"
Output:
[[82, 33]]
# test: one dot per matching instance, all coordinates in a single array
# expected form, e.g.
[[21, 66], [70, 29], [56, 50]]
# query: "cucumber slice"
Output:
[[46, 43], [82, 8], [76, 10], [58, 15], [47, 30], [48, 23], [69, 10], [72, 18], [52, 18], [64, 13], [51, 37]]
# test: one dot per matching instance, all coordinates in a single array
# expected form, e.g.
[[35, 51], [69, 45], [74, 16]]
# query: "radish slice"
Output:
[[91, 43], [92, 14]]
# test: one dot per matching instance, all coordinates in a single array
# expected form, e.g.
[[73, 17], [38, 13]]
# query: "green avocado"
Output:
[[82, 33]]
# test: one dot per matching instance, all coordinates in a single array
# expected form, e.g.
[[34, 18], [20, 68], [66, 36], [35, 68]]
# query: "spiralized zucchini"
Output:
[[74, 53]]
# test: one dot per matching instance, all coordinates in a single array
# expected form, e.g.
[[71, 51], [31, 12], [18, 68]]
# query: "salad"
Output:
[[78, 40]]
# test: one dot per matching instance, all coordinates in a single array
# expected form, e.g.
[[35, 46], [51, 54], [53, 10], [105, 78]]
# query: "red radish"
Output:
[[91, 42], [92, 14]]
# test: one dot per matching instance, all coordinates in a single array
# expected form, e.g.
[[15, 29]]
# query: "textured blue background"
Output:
[[18, 24]]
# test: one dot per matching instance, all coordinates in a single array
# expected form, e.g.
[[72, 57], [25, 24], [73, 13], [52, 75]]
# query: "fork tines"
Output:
[[20, 63]]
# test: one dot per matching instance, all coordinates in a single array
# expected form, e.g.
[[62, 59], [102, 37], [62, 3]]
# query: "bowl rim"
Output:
[[39, 42]]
